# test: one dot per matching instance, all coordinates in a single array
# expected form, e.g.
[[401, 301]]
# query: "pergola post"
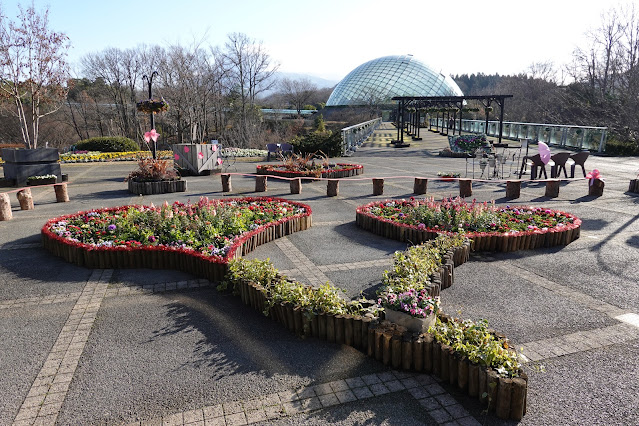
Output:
[[500, 102]]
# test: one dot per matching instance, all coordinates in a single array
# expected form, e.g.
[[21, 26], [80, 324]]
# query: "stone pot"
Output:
[[416, 325]]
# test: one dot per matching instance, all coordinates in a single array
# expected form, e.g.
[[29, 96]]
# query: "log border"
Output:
[[482, 241], [161, 257], [348, 170]]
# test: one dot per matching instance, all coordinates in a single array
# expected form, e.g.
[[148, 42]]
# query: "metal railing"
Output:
[[354, 136], [565, 136]]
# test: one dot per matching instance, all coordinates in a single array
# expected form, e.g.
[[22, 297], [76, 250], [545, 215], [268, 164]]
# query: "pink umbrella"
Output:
[[544, 152]]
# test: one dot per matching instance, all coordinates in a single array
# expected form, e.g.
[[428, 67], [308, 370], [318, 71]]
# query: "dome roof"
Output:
[[383, 78]]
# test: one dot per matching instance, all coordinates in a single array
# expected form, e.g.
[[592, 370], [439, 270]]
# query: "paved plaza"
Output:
[[81, 346]]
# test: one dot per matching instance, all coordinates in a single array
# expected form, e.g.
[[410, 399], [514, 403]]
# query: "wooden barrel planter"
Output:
[[156, 187]]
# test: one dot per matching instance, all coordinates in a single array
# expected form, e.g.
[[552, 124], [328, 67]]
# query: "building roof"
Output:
[[381, 79]]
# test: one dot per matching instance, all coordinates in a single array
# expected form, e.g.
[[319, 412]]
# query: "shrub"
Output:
[[330, 143], [108, 144], [621, 148]]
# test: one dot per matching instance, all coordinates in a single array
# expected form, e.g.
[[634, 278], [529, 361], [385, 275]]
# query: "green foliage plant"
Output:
[[476, 342], [107, 144], [414, 267]]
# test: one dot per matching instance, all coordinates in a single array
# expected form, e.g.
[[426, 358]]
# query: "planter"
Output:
[[156, 187], [337, 171], [415, 325], [22, 163], [196, 159], [36, 182]]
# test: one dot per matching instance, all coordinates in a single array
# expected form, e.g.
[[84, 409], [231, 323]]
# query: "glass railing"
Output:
[[354, 136], [565, 136]]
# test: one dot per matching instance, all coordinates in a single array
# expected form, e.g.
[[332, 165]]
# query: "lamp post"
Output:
[[149, 81]]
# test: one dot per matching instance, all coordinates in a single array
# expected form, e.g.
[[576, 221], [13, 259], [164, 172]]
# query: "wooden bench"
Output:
[[25, 198]]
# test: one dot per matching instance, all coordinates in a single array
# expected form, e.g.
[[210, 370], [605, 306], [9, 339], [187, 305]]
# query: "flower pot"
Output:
[[36, 182], [416, 325]]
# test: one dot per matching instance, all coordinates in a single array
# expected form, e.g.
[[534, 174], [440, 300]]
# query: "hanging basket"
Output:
[[152, 106]]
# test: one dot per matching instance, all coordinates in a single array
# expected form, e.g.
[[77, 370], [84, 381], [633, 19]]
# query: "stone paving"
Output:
[[353, 260]]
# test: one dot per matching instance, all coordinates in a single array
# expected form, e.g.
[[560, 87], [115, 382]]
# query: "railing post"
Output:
[[603, 139]]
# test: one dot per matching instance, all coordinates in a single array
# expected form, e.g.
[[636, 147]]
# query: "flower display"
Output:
[[458, 215], [416, 303], [328, 171], [96, 156], [154, 170], [208, 229], [469, 143], [152, 106]]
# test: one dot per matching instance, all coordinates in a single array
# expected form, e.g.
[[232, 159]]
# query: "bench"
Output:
[[26, 199]]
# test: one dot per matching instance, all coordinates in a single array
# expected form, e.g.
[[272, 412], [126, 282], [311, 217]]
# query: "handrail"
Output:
[[563, 135], [354, 136]]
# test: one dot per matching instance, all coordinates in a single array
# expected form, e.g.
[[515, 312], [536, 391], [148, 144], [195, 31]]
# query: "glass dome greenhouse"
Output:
[[381, 79]]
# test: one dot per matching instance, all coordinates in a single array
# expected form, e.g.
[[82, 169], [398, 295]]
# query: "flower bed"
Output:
[[465, 354], [244, 152], [334, 171], [96, 156], [197, 238], [490, 227]]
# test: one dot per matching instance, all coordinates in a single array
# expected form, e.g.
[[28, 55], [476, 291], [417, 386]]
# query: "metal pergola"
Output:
[[411, 108]]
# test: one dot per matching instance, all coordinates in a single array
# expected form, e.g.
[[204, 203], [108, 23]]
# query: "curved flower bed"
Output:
[[197, 238], [339, 170], [490, 227]]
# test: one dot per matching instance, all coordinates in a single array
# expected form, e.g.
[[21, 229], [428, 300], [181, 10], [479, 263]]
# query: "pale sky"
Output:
[[329, 38]]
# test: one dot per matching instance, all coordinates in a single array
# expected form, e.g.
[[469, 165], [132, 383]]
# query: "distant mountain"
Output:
[[320, 82]]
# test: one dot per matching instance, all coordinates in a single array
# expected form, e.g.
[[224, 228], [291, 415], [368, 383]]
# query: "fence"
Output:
[[353, 136], [566, 136]]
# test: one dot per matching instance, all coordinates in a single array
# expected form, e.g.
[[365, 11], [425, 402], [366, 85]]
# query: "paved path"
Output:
[[82, 346]]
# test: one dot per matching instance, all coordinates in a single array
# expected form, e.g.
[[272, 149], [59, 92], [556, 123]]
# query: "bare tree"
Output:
[[249, 73], [297, 92], [33, 69]]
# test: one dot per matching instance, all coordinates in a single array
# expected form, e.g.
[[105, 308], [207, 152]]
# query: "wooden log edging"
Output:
[[482, 241], [398, 348], [160, 257], [156, 187], [346, 170]]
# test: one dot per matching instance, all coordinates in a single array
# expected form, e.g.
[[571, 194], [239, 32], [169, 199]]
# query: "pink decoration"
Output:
[[200, 155], [219, 161], [186, 149], [176, 156], [214, 148], [544, 152], [594, 175], [151, 135]]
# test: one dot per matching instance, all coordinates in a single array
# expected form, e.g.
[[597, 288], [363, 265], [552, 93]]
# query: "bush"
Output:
[[621, 148], [108, 144], [330, 143]]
